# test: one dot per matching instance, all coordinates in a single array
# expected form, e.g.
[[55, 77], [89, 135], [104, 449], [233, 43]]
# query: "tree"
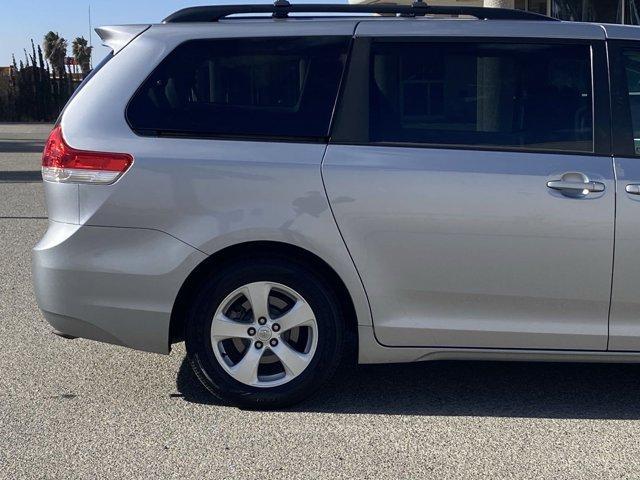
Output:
[[82, 54], [55, 51]]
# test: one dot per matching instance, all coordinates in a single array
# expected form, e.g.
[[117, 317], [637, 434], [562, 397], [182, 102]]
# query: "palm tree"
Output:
[[82, 54], [55, 51]]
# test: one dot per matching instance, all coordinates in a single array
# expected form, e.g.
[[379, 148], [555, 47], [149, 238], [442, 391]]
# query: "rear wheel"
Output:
[[264, 332]]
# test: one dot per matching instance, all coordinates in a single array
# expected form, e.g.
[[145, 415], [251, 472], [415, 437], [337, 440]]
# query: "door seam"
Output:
[[613, 253], [344, 242]]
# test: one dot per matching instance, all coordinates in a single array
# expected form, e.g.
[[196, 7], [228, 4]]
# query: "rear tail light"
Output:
[[63, 164]]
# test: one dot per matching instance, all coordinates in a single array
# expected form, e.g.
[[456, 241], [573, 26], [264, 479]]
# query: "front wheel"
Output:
[[265, 333]]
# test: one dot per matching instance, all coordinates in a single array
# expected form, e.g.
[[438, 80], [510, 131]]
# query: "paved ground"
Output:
[[77, 409]]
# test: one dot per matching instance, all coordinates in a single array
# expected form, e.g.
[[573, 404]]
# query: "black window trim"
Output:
[[324, 139], [349, 127]]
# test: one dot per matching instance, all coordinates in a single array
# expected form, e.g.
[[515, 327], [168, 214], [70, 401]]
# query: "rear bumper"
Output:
[[114, 285]]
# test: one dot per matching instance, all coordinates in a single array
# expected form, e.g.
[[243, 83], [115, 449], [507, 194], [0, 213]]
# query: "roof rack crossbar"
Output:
[[282, 9]]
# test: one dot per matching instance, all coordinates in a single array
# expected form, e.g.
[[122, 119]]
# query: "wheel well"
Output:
[[263, 249]]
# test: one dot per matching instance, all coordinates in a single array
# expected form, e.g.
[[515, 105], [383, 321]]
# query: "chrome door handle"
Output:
[[633, 189], [576, 185], [590, 187]]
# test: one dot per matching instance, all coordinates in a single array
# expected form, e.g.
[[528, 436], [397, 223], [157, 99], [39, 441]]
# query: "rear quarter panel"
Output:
[[210, 194]]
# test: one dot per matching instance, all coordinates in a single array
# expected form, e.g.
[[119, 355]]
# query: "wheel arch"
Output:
[[264, 249]]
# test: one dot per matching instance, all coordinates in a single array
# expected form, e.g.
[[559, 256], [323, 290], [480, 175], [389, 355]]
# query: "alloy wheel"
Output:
[[264, 334]]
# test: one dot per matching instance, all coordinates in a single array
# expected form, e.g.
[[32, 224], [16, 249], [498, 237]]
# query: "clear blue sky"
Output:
[[22, 20]]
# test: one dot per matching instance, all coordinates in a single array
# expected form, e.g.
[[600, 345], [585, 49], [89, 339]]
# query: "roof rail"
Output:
[[282, 9]]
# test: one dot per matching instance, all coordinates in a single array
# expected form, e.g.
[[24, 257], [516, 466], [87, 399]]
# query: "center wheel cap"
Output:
[[264, 333]]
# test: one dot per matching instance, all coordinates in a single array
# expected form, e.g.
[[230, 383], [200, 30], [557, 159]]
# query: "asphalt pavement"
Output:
[[77, 409]]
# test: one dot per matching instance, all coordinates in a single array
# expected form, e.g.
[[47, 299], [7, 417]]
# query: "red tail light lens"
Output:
[[63, 164]]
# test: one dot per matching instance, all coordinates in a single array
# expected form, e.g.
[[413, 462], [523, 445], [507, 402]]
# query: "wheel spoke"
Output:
[[258, 296], [223, 327], [293, 362], [246, 370], [236, 329], [299, 315]]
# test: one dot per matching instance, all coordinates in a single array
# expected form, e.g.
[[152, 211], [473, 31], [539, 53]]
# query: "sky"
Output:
[[23, 20]]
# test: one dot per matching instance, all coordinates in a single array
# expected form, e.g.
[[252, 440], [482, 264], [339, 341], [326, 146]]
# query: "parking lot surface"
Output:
[[79, 409]]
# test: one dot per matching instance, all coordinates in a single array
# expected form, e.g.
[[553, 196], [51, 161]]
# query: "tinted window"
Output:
[[277, 87], [631, 60], [530, 96]]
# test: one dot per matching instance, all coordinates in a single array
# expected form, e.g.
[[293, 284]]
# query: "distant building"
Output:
[[605, 11]]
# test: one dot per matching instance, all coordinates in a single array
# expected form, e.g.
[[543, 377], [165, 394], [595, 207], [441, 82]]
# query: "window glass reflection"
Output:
[[631, 12], [605, 11]]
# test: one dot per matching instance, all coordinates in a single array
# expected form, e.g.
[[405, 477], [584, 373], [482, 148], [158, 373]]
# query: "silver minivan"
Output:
[[286, 192]]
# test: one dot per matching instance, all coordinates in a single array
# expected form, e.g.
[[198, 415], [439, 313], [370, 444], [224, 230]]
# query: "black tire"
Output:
[[293, 274]]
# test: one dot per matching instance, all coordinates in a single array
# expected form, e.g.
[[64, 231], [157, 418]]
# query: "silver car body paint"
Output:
[[111, 284], [471, 249], [625, 302], [454, 248], [209, 194]]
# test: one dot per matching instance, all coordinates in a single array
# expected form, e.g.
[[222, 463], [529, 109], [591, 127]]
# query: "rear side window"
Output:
[[530, 96], [258, 87]]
